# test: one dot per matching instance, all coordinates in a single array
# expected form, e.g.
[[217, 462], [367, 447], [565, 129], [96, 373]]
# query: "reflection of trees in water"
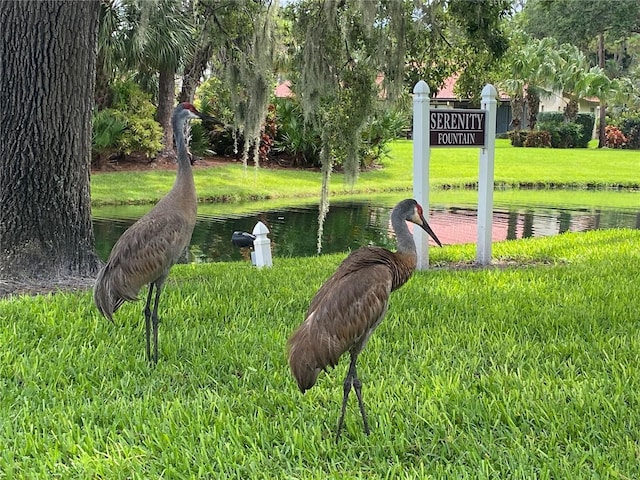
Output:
[[564, 222], [527, 224], [347, 226], [106, 232], [512, 225]]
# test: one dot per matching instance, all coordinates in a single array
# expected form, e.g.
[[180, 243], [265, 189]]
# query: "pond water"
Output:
[[352, 224]]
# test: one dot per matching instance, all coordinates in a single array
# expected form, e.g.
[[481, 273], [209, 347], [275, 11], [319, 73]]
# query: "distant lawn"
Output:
[[540, 167], [449, 168]]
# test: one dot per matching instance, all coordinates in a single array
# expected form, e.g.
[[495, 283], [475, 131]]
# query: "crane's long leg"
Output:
[[350, 381], [155, 321], [147, 320], [357, 386]]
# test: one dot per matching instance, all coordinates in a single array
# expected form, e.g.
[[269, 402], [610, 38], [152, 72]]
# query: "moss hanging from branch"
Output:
[[327, 166], [246, 58], [347, 56], [340, 56]]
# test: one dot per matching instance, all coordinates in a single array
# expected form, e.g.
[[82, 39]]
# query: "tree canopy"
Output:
[[579, 22], [599, 29]]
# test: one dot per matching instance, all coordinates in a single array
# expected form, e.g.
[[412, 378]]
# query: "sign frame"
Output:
[[422, 152]]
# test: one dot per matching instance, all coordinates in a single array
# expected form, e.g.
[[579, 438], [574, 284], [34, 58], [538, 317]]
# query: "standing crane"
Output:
[[145, 253], [351, 304]]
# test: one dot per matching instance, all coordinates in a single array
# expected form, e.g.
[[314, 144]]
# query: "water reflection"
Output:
[[349, 225]]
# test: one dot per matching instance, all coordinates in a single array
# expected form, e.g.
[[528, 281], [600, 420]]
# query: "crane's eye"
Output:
[[419, 209]]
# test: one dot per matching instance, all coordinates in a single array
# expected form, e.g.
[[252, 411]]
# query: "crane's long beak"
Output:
[[425, 226], [207, 118]]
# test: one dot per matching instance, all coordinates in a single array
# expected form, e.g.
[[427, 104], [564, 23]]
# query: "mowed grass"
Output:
[[528, 369], [449, 168]]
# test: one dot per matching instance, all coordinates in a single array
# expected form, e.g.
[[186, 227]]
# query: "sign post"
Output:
[[455, 128], [421, 152], [485, 179]]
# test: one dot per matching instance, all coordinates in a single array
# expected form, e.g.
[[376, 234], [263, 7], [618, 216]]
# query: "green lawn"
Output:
[[527, 370], [449, 167]]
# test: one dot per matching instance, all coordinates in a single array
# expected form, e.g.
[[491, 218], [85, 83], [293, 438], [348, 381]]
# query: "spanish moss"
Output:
[[327, 166], [248, 58]]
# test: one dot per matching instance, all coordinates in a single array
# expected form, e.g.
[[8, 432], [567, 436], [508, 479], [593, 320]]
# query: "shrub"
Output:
[[107, 127], [385, 126], [214, 100], [141, 135], [127, 126], [630, 127], [633, 137], [553, 117], [567, 134], [563, 134], [614, 138], [294, 138], [538, 138], [587, 121], [301, 143], [199, 143], [269, 131], [517, 137]]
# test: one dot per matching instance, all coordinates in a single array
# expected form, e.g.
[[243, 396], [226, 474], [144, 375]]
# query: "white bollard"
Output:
[[261, 246]]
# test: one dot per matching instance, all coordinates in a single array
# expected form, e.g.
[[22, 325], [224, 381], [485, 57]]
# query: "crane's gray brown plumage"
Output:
[[145, 253], [350, 305]]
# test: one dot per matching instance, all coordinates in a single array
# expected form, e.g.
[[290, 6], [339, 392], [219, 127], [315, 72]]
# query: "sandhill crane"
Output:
[[145, 253], [351, 304]]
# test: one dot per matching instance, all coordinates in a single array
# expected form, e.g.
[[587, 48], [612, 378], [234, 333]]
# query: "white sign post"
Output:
[[421, 153], [485, 178], [455, 128]]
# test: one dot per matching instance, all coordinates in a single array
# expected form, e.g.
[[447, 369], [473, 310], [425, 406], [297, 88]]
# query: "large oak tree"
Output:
[[47, 77]]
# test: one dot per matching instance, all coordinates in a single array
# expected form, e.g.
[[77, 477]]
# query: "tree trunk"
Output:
[[166, 97], [48, 61], [533, 102], [517, 112], [194, 70], [602, 139], [571, 110]]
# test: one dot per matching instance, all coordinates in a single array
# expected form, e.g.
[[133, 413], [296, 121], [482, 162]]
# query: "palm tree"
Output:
[[571, 66], [110, 49], [576, 80], [527, 71], [159, 37], [542, 67]]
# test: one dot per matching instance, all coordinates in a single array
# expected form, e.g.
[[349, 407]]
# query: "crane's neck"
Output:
[[404, 238], [184, 165]]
